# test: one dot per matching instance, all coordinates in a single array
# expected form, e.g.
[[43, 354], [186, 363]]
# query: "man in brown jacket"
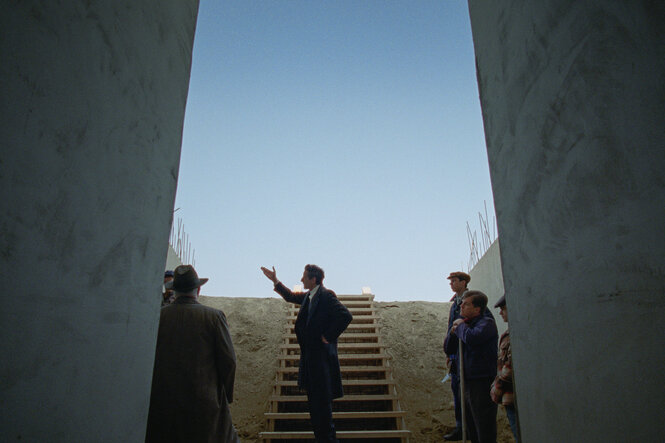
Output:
[[502, 388], [195, 364]]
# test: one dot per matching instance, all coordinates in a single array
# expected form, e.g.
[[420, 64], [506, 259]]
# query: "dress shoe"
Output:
[[455, 435]]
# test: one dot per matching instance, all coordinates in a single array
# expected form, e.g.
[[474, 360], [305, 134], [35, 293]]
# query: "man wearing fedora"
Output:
[[195, 364], [321, 319]]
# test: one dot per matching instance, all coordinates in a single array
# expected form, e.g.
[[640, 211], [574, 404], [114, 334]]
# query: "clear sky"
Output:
[[346, 134]]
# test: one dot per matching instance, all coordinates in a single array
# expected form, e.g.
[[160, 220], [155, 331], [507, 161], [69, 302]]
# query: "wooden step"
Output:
[[348, 303], [357, 319], [358, 303], [340, 346], [343, 356], [342, 435], [384, 382], [345, 336], [351, 330], [352, 327], [352, 309], [360, 306], [365, 313], [362, 313], [336, 415], [352, 297], [346, 398], [294, 369], [352, 335]]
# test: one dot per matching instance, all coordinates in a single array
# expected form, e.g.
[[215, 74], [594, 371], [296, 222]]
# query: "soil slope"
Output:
[[412, 331]]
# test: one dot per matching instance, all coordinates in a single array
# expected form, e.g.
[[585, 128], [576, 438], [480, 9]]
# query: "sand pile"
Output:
[[412, 331]]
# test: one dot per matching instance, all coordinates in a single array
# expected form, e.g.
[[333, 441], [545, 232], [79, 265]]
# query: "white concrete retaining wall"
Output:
[[573, 102], [172, 259], [93, 100], [486, 276]]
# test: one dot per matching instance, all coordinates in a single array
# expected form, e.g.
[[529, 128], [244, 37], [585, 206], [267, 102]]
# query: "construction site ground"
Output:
[[412, 332]]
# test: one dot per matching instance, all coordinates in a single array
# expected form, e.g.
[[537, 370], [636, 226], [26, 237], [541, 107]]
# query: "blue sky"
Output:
[[344, 133]]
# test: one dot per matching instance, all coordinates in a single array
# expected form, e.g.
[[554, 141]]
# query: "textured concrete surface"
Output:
[[172, 259], [93, 100], [486, 276], [573, 104]]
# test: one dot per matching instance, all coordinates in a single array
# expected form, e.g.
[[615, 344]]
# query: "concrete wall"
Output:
[[573, 103], [91, 116], [487, 276], [172, 259]]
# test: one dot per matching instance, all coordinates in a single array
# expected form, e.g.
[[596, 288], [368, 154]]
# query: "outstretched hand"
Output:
[[272, 275]]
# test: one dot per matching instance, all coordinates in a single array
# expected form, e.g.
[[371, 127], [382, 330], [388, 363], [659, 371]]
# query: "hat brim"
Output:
[[501, 302], [458, 277], [169, 285]]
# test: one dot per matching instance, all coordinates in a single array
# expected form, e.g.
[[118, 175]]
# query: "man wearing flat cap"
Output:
[[458, 283], [195, 364]]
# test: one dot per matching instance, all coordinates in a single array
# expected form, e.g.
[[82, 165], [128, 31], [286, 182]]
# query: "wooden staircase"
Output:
[[370, 410]]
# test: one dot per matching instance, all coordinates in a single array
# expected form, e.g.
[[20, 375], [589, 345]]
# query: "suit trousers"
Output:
[[480, 410], [319, 401], [320, 413]]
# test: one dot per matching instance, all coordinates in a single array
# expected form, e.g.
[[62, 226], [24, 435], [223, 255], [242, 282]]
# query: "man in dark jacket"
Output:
[[321, 320], [479, 336], [458, 283], [195, 366]]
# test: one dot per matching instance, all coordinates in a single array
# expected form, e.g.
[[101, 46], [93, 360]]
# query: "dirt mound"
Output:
[[412, 331]]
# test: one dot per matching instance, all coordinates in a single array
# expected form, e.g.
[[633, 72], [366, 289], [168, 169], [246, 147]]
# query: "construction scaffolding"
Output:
[[478, 247]]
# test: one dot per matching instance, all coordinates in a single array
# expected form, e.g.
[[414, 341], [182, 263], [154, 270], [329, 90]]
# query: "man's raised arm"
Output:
[[280, 288], [271, 275]]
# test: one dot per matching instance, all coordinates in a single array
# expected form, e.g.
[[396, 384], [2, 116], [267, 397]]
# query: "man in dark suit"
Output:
[[321, 320]]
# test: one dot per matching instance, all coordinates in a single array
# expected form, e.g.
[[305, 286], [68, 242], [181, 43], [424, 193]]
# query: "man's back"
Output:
[[193, 375]]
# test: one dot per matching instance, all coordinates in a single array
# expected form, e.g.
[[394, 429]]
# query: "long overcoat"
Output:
[[325, 316], [192, 382]]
